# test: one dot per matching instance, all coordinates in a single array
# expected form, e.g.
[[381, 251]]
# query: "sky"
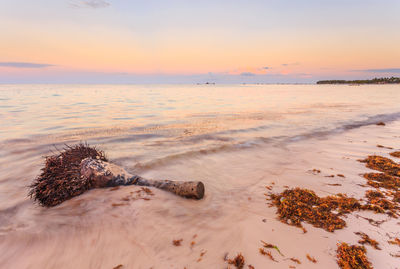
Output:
[[193, 41]]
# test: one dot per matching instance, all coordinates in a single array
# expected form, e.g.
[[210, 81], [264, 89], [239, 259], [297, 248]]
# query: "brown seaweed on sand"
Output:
[[382, 164], [295, 260], [268, 245], [311, 259], [365, 239], [297, 205], [238, 261], [389, 180], [379, 204], [396, 241], [177, 242], [268, 254], [352, 257], [382, 180], [396, 197], [395, 154], [60, 178]]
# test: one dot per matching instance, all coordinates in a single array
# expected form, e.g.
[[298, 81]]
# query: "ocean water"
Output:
[[150, 123], [181, 132]]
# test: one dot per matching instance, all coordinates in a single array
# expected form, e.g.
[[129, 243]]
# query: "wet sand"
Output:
[[104, 228]]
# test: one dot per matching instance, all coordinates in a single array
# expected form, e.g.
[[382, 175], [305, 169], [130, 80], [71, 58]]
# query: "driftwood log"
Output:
[[79, 168], [104, 174]]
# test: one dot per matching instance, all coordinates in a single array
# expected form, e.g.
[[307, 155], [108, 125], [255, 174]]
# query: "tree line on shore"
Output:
[[391, 80]]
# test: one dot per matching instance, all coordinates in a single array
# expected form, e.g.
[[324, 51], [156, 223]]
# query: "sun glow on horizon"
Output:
[[265, 40]]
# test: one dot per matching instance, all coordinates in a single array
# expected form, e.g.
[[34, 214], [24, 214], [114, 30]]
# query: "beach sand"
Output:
[[104, 228]]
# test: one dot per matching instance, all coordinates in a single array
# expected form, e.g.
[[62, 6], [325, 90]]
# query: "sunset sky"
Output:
[[172, 41]]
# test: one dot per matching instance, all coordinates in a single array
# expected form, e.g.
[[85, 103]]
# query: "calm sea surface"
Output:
[[152, 122], [143, 128]]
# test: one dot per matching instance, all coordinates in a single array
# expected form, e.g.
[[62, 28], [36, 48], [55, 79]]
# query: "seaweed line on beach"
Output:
[[297, 205]]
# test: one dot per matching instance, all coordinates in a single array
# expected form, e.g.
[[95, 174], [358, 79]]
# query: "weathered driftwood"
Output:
[[104, 174], [79, 168]]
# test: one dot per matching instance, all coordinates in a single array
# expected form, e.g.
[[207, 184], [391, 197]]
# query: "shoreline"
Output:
[[233, 218]]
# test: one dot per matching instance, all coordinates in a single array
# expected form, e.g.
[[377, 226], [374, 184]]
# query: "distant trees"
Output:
[[391, 80]]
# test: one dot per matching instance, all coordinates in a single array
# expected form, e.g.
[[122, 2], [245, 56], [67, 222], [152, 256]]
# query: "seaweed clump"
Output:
[[389, 180], [60, 178], [365, 239], [382, 180], [352, 257], [379, 204], [395, 154], [238, 261], [383, 164], [297, 205]]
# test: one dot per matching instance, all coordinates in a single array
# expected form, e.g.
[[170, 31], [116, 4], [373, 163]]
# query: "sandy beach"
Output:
[[105, 228]]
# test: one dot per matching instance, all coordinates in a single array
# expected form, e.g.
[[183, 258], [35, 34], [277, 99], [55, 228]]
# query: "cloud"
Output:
[[89, 3], [247, 74], [24, 65], [291, 64], [380, 70], [249, 71]]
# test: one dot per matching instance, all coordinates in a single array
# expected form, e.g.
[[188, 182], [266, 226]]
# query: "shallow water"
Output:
[[145, 124], [233, 137]]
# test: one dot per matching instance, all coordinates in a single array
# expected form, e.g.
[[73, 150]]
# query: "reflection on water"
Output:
[[218, 134]]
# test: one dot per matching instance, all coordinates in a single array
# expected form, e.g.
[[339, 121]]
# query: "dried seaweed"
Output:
[[295, 260], [382, 164], [388, 180], [395, 154], [381, 146], [60, 178], [238, 261], [382, 180], [267, 245], [365, 239], [375, 223], [396, 241], [202, 253], [268, 254], [311, 259], [352, 257], [396, 197], [314, 171], [297, 205], [379, 204], [177, 242]]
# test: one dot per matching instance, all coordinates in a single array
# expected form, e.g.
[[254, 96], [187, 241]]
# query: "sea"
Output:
[[225, 135]]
